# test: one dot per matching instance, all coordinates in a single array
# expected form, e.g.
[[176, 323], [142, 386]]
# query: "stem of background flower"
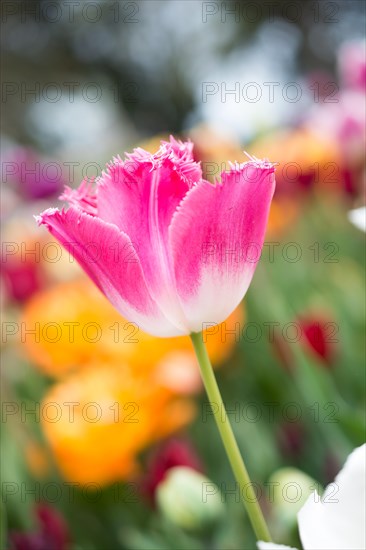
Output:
[[227, 436]]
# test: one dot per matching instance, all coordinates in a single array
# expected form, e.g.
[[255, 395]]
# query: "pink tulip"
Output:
[[170, 250]]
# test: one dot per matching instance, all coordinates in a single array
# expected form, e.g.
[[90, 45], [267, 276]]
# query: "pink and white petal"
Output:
[[108, 257], [216, 237], [337, 520], [272, 546], [148, 189]]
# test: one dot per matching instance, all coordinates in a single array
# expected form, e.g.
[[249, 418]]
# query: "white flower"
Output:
[[337, 520]]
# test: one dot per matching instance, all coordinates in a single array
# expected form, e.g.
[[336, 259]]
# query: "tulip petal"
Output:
[[358, 218], [337, 519], [216, 237], [84, 197], [106, 254], [147, 189], [272, 546]]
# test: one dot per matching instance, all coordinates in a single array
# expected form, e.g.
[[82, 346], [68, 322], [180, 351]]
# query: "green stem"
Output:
[[227, 436]]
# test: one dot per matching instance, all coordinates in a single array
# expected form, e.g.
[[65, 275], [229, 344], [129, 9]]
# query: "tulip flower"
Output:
[[335, 521], [170, 250]]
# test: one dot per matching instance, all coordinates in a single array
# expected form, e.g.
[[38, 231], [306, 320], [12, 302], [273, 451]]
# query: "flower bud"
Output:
[[318, 338], [184, 499], [291, 488], [171, 454]]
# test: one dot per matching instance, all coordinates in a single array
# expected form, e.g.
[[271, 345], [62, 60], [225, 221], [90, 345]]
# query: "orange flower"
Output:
[[283, 214], [305, 161], [73, 324], [98, 421], [214, 151], [37, 459], [77, 326]]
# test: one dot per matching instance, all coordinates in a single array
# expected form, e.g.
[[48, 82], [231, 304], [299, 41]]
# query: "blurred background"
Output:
[[107, 437]]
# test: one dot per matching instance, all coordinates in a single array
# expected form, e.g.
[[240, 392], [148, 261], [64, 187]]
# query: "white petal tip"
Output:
[[41, 218]]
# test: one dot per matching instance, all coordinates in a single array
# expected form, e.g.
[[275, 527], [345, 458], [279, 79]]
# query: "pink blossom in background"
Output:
[[352, 65], [32, 176], [341, 116], [170, 250], [345, 122]]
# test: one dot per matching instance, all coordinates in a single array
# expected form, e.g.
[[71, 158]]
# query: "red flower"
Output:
[[317, 336], [52, 535], [22, 278]]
